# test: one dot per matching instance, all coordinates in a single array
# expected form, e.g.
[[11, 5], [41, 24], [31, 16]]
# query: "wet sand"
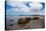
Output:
[[33, 24]]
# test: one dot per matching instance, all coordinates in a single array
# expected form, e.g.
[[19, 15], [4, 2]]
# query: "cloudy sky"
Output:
[[24, 8]]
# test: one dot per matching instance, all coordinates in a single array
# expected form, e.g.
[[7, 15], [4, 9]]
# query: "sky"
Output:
[[24, 8]]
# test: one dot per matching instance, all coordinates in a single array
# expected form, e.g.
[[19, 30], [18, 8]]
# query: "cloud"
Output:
[[19, 8]]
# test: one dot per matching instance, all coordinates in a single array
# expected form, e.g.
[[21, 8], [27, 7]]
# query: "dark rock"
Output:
[[35, 18]]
